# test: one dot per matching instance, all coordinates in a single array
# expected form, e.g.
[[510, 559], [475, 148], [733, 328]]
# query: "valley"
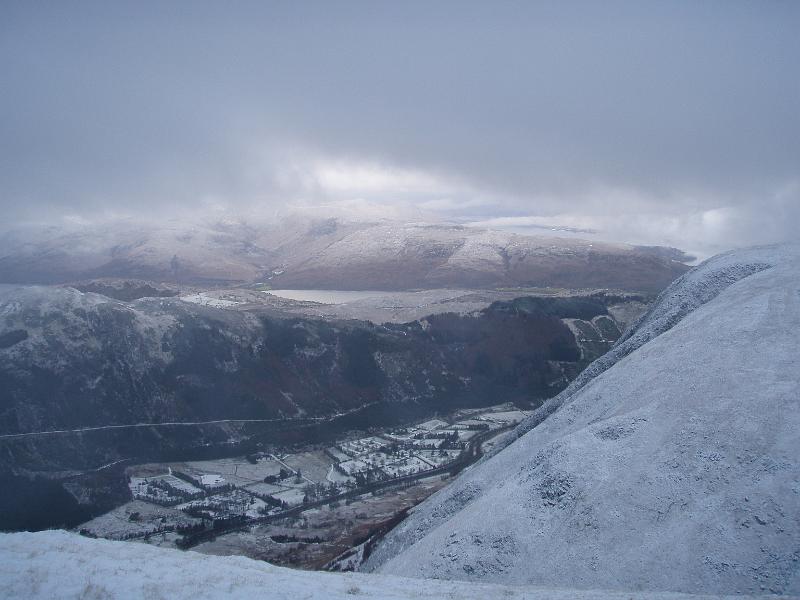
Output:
[[231, 415], [399, 300], [647, 444], [92, 385], [314, 508]]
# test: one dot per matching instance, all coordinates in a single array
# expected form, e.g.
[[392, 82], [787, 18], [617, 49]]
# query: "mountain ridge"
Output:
[[588, 497], [330, 254], [87, 380]]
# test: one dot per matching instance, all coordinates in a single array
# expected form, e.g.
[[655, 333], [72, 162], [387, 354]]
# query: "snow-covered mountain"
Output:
[[673, 463], [234, 375], [328, 254], [670, 467], [55, 564]]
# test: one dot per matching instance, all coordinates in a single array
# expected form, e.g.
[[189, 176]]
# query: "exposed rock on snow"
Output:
[[56, 564], [672, 463]]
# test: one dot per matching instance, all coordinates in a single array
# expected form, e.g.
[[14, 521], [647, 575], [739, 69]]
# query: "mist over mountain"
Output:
[[656, 124]]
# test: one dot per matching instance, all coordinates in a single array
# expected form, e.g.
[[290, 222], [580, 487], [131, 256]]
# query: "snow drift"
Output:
[[671, 464], [57, 564]]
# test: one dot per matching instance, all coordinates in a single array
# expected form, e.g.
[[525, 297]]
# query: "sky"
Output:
[[670, 123]]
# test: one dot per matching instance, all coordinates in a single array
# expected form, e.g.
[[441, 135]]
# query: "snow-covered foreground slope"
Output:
[[673, 464], [57, 564]]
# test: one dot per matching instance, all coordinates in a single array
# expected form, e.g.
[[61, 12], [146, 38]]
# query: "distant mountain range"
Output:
[[122, 342], [329, 253]]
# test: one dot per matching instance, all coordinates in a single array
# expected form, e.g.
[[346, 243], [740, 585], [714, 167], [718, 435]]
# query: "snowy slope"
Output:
[[56, 564], [671, 465]]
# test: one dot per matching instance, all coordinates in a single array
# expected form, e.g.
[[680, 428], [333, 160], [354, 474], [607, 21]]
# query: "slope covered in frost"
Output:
[[56, 564], [671, 465]]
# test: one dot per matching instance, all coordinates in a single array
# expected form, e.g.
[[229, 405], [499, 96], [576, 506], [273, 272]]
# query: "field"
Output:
[[137, 519], [320, 535]]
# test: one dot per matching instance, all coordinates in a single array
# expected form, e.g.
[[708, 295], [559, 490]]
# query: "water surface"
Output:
[[328, 296]]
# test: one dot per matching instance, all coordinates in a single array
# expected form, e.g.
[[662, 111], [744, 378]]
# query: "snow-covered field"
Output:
[[291, 496], [209, 299], [137, 482], [406, 466], [58, 565], [505, 418], [432, 424], [136, 519], [212, 480]]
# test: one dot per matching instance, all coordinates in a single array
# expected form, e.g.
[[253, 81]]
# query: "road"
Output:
[[185, 424], [134, 425]]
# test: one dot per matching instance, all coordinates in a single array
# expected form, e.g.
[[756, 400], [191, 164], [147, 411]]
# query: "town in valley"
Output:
[[312, 507]]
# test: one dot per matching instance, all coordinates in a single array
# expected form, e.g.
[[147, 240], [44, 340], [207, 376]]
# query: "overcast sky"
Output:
[[667, 123]]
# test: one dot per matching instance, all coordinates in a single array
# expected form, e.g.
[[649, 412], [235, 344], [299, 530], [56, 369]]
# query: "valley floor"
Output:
[[314, 508]]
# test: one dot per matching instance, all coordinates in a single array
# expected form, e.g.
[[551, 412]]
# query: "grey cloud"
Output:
[[544, 109]]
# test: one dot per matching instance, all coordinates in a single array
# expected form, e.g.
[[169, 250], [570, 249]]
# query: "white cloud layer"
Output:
[[648, 122]]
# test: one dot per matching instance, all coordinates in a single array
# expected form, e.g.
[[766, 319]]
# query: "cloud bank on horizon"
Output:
[[662, 123]]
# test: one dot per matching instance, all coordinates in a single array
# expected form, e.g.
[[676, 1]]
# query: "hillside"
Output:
[[168, 379], [667, 470], [56, 564], [329, 254], [671, 464]]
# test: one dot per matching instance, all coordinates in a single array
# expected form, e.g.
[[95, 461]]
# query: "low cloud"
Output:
[[648, 123]]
